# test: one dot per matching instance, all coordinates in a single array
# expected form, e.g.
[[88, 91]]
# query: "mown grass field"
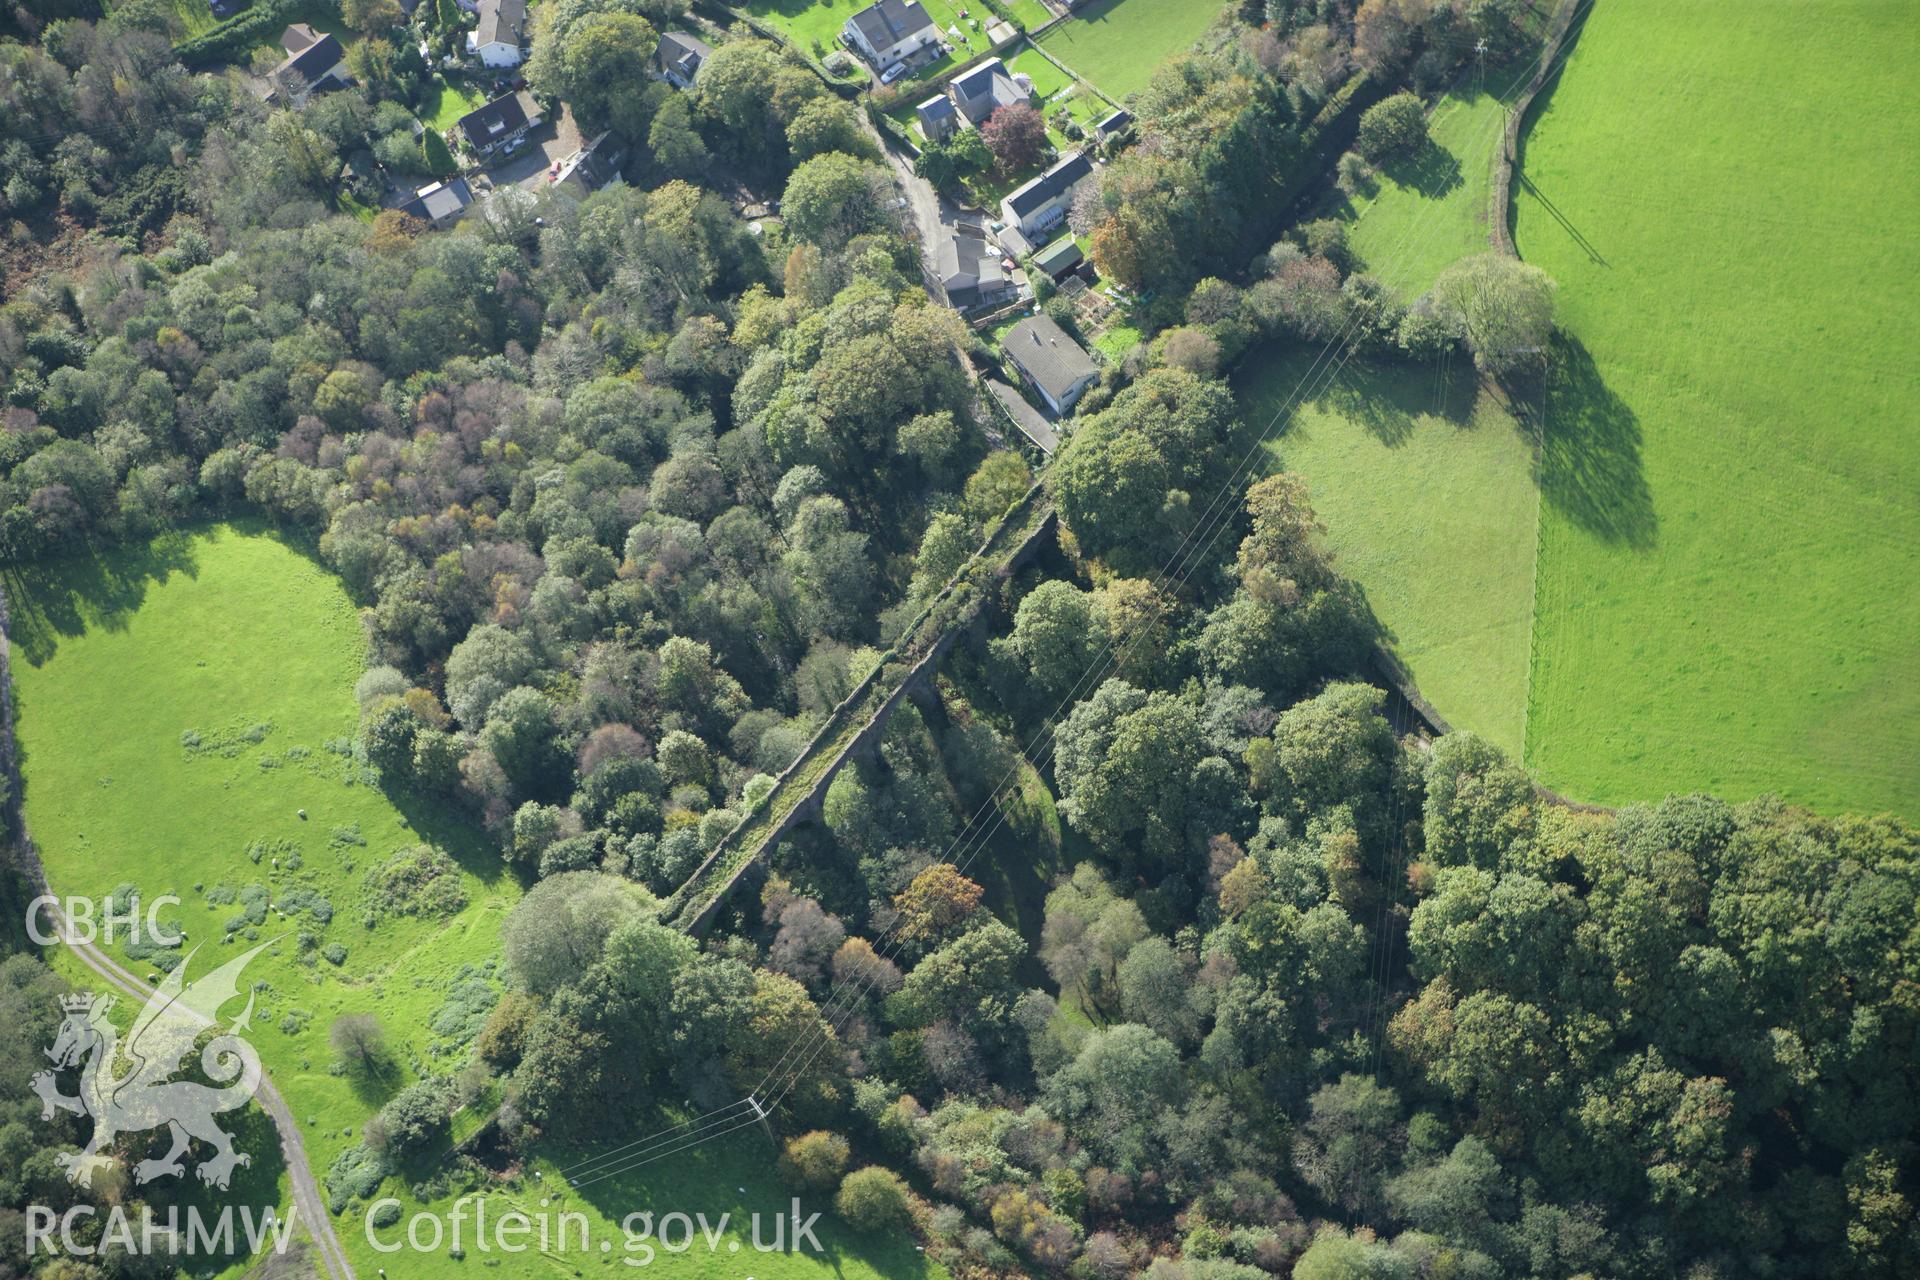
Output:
[[233, 636], [1425, 492], [1119, 44], [1730, 542]]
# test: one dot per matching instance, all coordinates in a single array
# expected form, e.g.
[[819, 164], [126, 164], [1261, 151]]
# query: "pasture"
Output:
[[179, 706], [1427, 211], [1117, 45], [1425, 492], [1729, 540]]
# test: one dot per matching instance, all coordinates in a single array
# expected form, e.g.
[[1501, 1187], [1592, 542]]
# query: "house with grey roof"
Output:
[[440, 204], [888, 32], [1050, 361], [589, 169], [971, 269], [315, 61], [970, 97], [501, 124], [938, 119], [1043, 203], [679, 57], [497, 40], [985, 89]]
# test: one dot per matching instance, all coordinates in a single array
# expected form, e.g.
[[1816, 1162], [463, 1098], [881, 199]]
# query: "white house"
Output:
[[1050, 362], [971, 97], [1042, 204], [889, 32], [503, 25]]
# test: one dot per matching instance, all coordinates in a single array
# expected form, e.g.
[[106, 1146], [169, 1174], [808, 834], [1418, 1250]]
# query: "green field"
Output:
[[1428, 506], [182, 703], [1730, 540], [1426, 212], [1118, 44]]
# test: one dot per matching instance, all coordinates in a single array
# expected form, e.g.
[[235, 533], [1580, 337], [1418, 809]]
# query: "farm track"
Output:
[[308, 1201]]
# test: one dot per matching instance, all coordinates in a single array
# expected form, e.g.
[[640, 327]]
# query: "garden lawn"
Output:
[[1428, 211], [1730, 541], [236, 637], [1030, 14], [195, 16], [442, 104], [1429, 508], [1118, 44]]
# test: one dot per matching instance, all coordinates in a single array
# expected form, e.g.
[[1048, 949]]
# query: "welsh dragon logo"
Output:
[[130, 1089]]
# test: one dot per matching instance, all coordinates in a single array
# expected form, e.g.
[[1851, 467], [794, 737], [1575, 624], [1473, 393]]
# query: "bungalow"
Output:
[[496, 41], [440, 204], [679, 57], [1050, 362], [888, 32], [1060, 257], [970, 269], [315, 61], [1043, 203], [500, 124]]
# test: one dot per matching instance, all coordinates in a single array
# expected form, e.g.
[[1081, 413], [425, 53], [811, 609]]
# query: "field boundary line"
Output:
[[1500, 197]]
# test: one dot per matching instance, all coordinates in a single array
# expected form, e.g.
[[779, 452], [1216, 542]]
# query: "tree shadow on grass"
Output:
[[254, 1189], [1388, 400], [452, 830], [64, 596], [1432, 170], [1589, 466]]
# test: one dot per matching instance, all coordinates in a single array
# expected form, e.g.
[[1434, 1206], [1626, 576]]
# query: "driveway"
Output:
[[932, 212], [545, 147]]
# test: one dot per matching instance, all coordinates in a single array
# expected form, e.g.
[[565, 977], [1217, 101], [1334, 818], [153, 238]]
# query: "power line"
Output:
[[1173, 575]]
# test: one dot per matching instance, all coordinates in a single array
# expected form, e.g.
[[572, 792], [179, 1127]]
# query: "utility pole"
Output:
[[760, 1114]]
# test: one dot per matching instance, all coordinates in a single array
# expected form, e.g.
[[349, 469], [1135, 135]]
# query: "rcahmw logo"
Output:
[[132, 1090], [202, 1234]]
